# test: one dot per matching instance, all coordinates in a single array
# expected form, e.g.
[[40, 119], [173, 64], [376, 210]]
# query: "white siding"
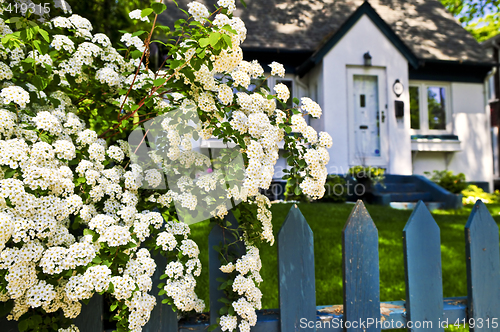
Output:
[[471, 125], [364, 37]]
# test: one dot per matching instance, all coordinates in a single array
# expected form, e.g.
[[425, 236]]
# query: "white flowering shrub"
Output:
[[81, 212]]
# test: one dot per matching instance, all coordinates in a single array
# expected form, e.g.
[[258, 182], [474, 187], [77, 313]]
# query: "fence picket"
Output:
[[217, 236], [360, 265], [483, 269], [297, 290], [163, 318], [424, 284], [90, 318]]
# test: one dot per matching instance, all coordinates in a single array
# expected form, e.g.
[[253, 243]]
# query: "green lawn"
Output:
[[326, 221]]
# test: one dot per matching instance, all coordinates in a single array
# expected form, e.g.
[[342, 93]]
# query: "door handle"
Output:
[[363, 127]]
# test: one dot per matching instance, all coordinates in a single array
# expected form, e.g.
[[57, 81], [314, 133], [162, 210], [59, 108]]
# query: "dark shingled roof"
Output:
[[425, 26]]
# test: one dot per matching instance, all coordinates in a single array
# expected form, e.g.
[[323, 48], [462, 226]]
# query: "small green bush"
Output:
[[335, 189], [363, 173], [293, 193], [473, 193], [449, 181]]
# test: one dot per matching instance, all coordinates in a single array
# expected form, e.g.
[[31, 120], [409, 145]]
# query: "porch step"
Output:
[[411, 205], [397, 187], [409, 196]]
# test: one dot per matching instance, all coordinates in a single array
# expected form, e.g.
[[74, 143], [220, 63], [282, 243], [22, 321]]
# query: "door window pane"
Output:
[[414, 107], [436, 97]]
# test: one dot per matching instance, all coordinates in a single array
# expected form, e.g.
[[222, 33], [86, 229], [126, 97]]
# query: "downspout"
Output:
[[302, 84], [496, 85], [497, 71]]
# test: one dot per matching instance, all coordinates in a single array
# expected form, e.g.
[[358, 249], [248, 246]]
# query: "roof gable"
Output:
[[364, 9]]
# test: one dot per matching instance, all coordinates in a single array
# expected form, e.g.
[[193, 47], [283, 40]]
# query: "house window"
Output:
[[414, 107], [436, 106], [429, 108]]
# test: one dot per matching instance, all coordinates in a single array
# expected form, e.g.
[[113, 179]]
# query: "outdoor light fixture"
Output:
[[368, 59], [398, 88]]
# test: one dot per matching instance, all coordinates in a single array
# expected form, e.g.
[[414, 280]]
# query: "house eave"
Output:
[[451, 71]]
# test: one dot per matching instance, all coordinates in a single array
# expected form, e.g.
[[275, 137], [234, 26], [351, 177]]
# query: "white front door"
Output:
[[367, 117]]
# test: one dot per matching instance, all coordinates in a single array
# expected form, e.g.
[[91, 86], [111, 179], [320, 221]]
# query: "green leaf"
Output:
[[243, 3], [39, 82], [159, 81], [97, 260], [23, 325], [138, 33], [44, 34], [10, 173], [214, 38], [6, 307], [113, 307], [204, 42], [146, 12], [158, 7], [296, 100], [13, 20], [136, 54], [227, 27], [297, 190], [212, 327], [288, 130], [36, 43], [228, 41]]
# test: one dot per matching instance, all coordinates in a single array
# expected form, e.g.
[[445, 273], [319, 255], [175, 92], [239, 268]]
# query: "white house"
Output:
[[492, 46], [401, 83]]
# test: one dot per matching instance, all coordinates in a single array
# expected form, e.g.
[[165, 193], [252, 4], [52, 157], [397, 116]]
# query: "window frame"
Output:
[[424, 109]]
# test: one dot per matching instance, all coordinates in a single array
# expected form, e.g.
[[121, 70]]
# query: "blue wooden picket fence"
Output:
[[362, 310]]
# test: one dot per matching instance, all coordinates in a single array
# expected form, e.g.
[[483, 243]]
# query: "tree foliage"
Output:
[[480, 17]]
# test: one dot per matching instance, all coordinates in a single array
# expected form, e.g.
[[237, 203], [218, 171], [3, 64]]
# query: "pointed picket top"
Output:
[[217, 236], [424, 283], [483, 268], [360, 265], [297, 292]]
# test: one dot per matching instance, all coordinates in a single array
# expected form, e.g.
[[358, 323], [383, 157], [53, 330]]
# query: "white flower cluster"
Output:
[[310, 107], [198, 11], [282, 92], [39, 200], [16, 95], [248, 268], [277, 69], [180, 282], [136, 15]]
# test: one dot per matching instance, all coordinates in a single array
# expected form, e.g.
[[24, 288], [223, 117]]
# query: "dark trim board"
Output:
[[450, 71]]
